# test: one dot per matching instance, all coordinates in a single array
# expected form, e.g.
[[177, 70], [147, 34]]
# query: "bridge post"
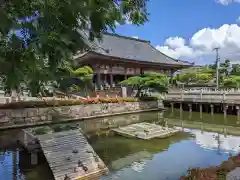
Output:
[[181, 109], [238, 112], [190, 111], [200, 109], [190, 107], [224, 96], [225, 108], [172, 107], [212, 109]]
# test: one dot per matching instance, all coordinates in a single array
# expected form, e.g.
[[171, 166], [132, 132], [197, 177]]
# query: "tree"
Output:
[[82, 78], [235, 70], [158, 82], [194, 75], [38, 37], [232, 82]]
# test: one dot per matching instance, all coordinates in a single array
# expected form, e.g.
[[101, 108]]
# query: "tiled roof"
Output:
[[133, 49]]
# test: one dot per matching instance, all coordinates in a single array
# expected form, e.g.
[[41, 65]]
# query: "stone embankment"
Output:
[[27, 117]]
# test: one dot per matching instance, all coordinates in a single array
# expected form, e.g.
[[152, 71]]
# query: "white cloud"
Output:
[[200, 45], [226, 2], [238, 20], [136, 37]]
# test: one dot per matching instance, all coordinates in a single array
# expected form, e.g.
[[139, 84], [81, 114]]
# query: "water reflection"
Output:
[[205, 140]]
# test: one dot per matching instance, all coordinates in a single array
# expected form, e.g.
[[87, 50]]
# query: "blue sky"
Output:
[[181, 20]]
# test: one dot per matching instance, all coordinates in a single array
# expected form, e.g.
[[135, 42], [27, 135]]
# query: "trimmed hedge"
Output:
[[148, 98]]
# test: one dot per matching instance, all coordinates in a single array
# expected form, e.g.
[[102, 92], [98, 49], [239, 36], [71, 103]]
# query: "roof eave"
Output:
[[88, 54]]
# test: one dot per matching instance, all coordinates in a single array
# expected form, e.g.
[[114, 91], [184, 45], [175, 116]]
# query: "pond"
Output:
[[204, 141]]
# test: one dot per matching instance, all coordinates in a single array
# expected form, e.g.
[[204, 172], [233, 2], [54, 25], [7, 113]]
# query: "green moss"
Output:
[[41, 130]]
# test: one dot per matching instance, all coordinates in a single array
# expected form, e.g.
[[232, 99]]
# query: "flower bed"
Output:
[[63, 102]]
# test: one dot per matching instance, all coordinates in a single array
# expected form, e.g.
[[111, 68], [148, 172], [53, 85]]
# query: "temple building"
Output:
[[116, 58]]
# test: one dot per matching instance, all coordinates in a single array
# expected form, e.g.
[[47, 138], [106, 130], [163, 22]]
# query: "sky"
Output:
[[190, 29]]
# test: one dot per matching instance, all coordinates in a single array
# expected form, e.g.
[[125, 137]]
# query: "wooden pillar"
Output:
[[99, 82], [111, 80], [212, 109]]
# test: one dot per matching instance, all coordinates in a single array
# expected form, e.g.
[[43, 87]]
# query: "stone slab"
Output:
[[145, 131]]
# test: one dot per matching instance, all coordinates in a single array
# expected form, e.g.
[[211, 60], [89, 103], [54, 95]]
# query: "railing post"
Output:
[[182, 94], [224, 95], [238, 112], [201, 92]]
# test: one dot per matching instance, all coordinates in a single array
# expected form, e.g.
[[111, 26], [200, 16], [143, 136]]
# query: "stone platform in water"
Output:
[[69, 154], [145, 131]]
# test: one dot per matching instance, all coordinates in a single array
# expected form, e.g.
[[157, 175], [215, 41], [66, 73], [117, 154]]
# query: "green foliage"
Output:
[[149, 98], [235, 70], [158, 82], [39, 38], [232, 82], [41, 130], [195, 75], [76, 80]]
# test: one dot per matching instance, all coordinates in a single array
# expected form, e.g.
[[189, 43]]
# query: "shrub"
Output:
[[148, 98]]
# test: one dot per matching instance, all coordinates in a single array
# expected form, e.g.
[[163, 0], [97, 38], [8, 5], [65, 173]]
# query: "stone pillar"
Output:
[[225, 108], [224, 96], [172, 107], [190, 111], [202, 128], [181, 109], [238, 111], [190, 107], [182, 125], [200, 110], [212, 109], [201, 94], [225, 132]]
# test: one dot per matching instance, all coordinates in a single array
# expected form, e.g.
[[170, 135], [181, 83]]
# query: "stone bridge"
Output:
[[204, 96], [226, 101]]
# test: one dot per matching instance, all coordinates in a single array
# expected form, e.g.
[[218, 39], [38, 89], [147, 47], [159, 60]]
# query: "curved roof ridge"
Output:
[[127, 37]]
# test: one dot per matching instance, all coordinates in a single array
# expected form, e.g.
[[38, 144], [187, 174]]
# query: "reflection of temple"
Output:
[[130, 159], [120, 151]]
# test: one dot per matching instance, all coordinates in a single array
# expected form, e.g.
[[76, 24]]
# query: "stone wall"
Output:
[[10, 118]]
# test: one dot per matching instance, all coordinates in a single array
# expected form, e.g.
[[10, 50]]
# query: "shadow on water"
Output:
[[15, 162], [205, 140]]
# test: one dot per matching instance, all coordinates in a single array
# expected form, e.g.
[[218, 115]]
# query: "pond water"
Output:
[[204, 141]]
